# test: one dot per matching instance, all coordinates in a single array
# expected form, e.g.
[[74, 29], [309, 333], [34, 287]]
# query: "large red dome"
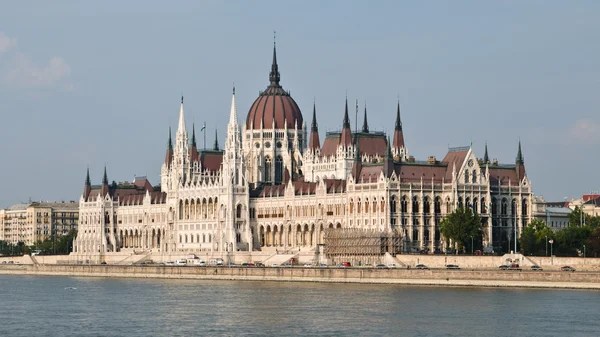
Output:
[[274, 107]]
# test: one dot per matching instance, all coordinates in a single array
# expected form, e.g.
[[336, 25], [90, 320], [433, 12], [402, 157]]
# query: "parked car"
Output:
[[287, 265], [307, 265], [478, 252], [536, 268], [567, 268], [380, 266], [274, 264], [346, 264], [259, 264], [503, 267], [514, 266], [452, 266], [437, 251], [422, 266], [392, 265], [180, 262]]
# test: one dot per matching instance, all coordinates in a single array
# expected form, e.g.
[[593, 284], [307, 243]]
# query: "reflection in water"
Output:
[[135, 307]]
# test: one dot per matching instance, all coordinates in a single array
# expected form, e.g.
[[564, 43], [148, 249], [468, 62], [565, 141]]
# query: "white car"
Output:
[[274, 265], [169, 263], [180, 262], [307, 265], [391, 265]]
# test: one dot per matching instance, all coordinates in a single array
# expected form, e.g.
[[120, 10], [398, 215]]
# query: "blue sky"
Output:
[[89, 83]]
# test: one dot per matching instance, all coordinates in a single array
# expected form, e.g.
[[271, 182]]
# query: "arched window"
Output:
[[268, 166], [466, 177], [475, 205], [524, 207], [437, 206], [351, 206], [448, 206], [415, 205], [404, 204], [426, 205], [504, 207], [393, 204], [358, 206], [474, 176], [460, 202], [238, 211], [484, 209], [278, 170], [513, 207]]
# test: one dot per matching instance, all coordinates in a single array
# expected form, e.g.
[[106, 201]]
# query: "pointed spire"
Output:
[[346, 136], [486, 157], [88, 185], [346, 123], [314, 142], [170, 142], [181, 126], [193, 135], [520, 160], [314, 126], [216, 144], [398, 126], [388, 151], [233, 112], [274, 74], [88, 182], [105, 177], [365, 127], [398, 134]]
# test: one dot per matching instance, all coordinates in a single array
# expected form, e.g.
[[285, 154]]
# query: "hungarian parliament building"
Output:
[[276, 187]]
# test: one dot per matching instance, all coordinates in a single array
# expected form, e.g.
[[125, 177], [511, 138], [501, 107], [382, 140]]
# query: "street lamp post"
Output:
[[584, 252], [546, 245], [551, 242]]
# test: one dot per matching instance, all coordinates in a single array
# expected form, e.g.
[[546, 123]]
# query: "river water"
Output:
[[68, 306]]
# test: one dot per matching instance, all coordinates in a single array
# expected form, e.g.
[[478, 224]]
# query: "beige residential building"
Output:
[[32, 222]]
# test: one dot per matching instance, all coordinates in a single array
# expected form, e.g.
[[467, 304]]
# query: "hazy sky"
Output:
[[88, 83]]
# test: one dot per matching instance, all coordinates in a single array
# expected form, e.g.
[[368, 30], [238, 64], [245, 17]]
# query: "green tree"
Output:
[[534, 236], [460, 225], [570, 240], [593, 243]]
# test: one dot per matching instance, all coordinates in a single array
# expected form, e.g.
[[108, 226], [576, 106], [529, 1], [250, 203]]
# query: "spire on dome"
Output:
[[486, 158], [274, 74], [365, 127], [314, 142], [520, 160], [216, 144]]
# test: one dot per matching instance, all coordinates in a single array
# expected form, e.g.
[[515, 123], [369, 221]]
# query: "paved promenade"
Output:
[[462, 278]]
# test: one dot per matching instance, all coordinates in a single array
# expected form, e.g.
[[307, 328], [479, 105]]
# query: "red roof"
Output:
[[211, 160], [276, 107]]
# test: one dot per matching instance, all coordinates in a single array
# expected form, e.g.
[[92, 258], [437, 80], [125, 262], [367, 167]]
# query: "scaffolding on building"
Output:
[[360, 246]]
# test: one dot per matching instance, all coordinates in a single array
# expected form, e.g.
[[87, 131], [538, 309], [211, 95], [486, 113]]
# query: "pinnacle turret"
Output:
[[486, 157], [520, 160], [216, 144], [88, 181], [274, 74], [365, 127], [194, 135]]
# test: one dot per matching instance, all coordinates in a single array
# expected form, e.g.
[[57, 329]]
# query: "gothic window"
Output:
[[513, 207], [393, 204], [404, 204], [426, 205], [524, 207], [415, 205], [351, 206], [475, 205], [448, 206], [504, 207], [358, 206], [460, 202], [466, 177], [474, 176], [483, 206], [278, 170], [268, 165], [437, 208], [238, 211]]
